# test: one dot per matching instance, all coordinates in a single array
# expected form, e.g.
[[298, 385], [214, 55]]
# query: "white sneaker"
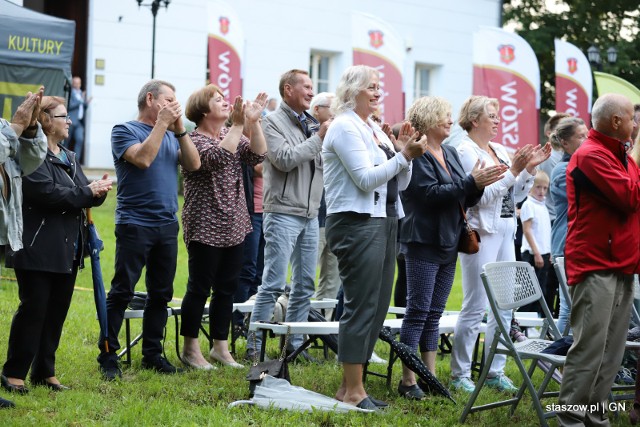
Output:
[[377, 359]]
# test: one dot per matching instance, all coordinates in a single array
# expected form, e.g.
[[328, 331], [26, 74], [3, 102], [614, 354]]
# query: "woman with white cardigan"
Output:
[[495, 219], [362, 176]]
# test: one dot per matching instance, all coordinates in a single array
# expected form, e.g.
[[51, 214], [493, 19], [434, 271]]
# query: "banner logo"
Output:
[[573, 65], [224, 25], [507, 53], [375, 38]]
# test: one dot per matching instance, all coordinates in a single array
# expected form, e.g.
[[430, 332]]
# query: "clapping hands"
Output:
[[102, 186], [253, 109], [487, 176]]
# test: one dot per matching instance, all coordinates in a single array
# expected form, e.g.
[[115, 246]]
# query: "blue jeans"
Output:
[[252, 266], [294, 238], [565, 312]]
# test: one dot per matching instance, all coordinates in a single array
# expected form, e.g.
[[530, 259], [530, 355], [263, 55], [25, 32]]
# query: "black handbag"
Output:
[[276, 368]]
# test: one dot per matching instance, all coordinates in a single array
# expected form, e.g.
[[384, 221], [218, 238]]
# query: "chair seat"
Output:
[[532, 349]]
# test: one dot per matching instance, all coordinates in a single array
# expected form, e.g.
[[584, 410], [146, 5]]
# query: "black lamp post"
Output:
[[154, 5], [593, 54]]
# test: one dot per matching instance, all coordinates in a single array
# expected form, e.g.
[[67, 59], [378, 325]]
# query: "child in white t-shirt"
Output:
[[536, 233]]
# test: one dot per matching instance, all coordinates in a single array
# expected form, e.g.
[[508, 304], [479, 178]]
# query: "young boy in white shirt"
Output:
[[536, 242]]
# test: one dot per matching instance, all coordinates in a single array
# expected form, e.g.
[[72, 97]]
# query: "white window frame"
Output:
[[316, 58], [419, 90]]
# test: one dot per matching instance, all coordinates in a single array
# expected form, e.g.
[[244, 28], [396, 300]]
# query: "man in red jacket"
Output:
[[602, 254]]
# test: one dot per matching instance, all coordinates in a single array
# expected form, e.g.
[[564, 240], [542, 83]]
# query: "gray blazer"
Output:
[[292, 170]]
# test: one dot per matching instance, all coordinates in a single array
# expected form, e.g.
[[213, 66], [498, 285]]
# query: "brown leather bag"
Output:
[[469, 242]]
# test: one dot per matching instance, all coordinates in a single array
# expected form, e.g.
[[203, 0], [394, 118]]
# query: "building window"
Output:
[[320, 71], [423, 80]]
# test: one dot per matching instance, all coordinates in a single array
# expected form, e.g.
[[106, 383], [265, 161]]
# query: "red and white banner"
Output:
[[225, 48], [505, 67], [574, 81], [376, 44]]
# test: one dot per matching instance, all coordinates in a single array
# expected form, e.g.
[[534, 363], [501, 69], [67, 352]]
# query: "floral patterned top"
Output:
[[215, 209]]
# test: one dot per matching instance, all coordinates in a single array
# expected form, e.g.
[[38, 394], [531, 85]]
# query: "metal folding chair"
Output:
[[511, 285]]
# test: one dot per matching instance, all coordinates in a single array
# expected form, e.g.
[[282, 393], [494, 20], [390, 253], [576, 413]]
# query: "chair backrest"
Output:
[[558, 266], [513, 284]]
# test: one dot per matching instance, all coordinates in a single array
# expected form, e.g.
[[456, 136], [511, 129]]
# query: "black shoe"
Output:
[[13, 388], [4, 403], [411, 392], [366, 403], [160, 365], [51, 386], [109, 366], [379, 403], [302, 356]]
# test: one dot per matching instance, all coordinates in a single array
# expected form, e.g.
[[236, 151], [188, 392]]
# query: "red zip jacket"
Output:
[[603, 190]]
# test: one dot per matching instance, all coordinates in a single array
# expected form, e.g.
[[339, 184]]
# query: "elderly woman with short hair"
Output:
[[215, 215], [434, 201], [495, 219], [362, 176], [54, 237]]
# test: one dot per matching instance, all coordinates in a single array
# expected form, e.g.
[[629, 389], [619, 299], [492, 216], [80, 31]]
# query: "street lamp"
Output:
[[154, 5], [593, 54]]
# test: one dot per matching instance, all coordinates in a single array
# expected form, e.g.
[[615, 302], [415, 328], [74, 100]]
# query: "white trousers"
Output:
[[497, 246]]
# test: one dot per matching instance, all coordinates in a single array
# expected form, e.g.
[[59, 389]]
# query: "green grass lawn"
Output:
[[201, 398]]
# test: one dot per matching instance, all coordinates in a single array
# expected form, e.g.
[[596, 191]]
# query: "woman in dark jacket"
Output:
[[438, 192], [54, 236]]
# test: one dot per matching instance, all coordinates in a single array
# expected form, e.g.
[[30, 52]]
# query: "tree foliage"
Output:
[[583, 23]]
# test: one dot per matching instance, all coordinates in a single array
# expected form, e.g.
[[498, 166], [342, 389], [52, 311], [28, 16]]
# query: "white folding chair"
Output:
[[511, 285]]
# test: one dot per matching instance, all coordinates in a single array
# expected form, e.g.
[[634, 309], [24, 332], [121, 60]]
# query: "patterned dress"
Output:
[[215, 209]]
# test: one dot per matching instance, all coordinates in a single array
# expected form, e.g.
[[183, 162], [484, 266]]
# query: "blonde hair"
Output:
[[354, 79], [473, 108], [428, 112], [541, 178]]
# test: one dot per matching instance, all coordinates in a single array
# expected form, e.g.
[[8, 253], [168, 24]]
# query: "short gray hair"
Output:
[[353, 80], [152, 86], [323, 98]]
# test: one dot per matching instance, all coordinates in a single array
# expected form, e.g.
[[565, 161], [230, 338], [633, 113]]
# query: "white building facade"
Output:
[[278, 35]]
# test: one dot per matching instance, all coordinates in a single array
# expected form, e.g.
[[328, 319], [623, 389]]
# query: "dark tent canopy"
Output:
[[35, 49]]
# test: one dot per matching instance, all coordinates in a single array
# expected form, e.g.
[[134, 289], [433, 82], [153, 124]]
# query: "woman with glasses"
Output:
[[495, 219], [54, 235]]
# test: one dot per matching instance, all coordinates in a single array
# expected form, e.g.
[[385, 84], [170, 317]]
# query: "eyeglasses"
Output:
[[65, 117], [493, 117], [323, 106]]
